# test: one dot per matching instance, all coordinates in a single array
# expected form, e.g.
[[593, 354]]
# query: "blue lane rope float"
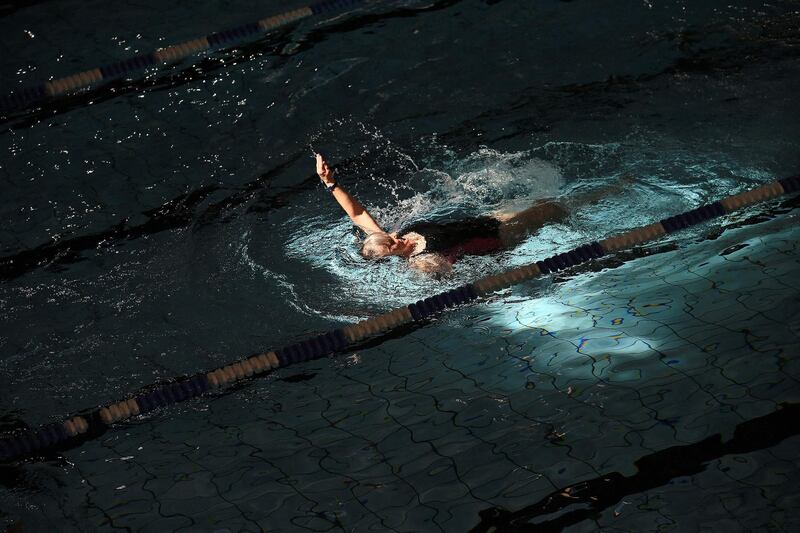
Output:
[[31, 441], [23, 98]]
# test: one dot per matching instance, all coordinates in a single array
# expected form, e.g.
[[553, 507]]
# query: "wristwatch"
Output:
[[332, 186]]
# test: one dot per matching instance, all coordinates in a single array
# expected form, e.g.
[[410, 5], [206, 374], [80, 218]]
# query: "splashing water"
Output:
[[482, 183], [433, 183]]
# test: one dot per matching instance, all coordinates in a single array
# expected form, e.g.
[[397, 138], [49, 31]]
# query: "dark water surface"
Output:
[[172, 222]]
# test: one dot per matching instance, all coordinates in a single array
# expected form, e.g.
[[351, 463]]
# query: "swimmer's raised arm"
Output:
[[351, 206]]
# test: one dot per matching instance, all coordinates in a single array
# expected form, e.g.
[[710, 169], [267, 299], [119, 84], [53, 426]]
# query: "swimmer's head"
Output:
[[380, 244]]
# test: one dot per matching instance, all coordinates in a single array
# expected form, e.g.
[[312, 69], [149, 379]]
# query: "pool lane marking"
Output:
[[22, 98], [29, 442]]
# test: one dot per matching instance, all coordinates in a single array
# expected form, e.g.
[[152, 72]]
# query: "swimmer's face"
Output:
[[396, 247], [390, 244]]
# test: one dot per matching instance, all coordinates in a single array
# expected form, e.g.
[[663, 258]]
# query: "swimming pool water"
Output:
[[172, 222]]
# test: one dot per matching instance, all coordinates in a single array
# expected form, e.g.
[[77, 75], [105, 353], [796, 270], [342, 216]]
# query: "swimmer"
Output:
[[432, 247]]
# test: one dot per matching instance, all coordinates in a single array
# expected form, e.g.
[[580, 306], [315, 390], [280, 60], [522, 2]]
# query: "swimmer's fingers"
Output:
[[320, 164], [323, 170]]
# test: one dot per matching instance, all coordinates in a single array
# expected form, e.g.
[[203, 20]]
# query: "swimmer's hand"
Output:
[[351, 206], [324, 171]]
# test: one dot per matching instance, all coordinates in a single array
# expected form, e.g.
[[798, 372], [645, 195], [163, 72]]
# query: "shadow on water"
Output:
[[180, 212], [586, 499], [9, 7]]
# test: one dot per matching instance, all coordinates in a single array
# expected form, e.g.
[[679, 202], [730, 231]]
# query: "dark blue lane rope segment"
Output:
[[143, 403], [332, 5], [23, 444], [582, 254], [284, 356], [29, 442], [174, 392], [434, 304], [23, 97], [296, 353], [543, 268], [35, 441], [692, 217], [460, 295], [313, 348], [187, 391], [307, 350], [327, 341], [166, 393], [17, 446], [445, 300], [469, 291], [303, 351], [190, 388], [451, 298], [233, 34], [199, 384], [790, 184], [32, 441], [287, 356], [322, 349], [430, 306], [441, 300], [46, 438], [5, 450], [120, 68], [339, 338], [156, 400], [49, 436], [14, 448], [574, 257], [669, 225], [565, 260], [319, 347], [180, 394]]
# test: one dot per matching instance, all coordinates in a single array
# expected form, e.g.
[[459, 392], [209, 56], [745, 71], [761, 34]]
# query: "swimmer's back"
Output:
[[453, 239]]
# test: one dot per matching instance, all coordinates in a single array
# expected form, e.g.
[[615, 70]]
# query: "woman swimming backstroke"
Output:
[[433, 247]]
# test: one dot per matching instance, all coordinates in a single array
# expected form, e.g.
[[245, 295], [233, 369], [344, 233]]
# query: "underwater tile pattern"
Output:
[[542, 392]]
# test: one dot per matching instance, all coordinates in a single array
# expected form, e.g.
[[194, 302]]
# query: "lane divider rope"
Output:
[[22, 98], [30, 441]]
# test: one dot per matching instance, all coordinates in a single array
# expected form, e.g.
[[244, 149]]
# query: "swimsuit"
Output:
[[475, 236]]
